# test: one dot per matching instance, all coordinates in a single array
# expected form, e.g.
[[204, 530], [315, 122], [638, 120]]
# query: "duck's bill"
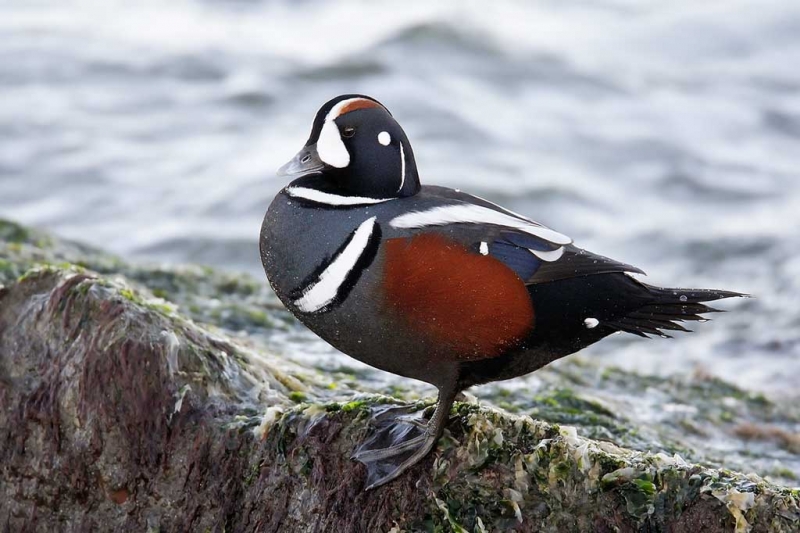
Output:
[[306, 162]]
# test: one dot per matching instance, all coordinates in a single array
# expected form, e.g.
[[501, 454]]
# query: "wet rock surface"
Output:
[[149, 399]]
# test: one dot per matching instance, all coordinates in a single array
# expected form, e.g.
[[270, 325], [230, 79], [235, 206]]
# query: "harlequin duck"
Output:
[[432, 283]]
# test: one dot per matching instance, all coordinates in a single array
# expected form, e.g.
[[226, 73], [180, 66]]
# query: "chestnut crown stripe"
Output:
[[474, 214], [322, 292], [349, 105], [330, 147], [354, 104]]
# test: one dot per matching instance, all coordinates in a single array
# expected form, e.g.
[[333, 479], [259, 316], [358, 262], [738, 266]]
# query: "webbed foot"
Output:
[[399, 442]]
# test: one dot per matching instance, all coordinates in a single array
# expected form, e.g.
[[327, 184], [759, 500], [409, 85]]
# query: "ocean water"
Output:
[[663, 134]]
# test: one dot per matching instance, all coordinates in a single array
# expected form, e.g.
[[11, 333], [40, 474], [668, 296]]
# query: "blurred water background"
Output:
[[663, 134]]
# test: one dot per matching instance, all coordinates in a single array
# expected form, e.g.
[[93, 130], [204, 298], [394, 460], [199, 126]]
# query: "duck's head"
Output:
[[356, 150]]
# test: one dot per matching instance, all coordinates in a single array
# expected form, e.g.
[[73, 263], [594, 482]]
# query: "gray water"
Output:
[[663, 134]]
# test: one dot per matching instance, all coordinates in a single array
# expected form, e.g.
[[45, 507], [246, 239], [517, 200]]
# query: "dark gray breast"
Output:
[[299, 238]]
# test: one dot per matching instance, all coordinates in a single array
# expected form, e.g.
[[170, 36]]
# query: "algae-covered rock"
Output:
[[139, 398]]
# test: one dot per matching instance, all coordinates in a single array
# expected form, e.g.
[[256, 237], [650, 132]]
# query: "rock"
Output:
[[148, 399]]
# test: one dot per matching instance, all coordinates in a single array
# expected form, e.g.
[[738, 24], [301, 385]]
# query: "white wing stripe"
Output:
[[327, 198], [324, 290], [549, 257], [473, 214]]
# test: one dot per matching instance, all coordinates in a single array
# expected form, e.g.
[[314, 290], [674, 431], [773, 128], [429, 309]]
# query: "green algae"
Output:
[[235, 302], [298, 397], [580, 458], [15, 233]]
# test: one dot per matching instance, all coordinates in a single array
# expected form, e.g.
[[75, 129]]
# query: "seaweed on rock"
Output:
[[117, 411]]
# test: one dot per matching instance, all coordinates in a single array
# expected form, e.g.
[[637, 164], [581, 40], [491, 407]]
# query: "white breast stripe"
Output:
[[474, 214], [551, 256], [324, 290], [327, 198], [402, 168]]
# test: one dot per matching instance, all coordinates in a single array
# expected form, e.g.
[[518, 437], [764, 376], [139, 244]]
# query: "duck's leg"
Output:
[[405, 445]]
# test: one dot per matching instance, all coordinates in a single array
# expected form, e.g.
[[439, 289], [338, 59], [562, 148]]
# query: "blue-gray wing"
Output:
[[536, 253], [538, 261]]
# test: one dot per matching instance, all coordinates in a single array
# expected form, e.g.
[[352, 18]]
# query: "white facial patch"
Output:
[[384, 138], [330, 148]]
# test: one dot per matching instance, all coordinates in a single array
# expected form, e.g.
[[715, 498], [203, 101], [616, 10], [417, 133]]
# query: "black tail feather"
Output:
[[668, 307], [690, 296]]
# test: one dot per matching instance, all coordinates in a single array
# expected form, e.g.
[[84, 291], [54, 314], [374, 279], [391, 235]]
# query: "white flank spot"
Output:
[[484, 249], [550, 256], [474, 214], [331, 199], [384, 138], [402, 168], [330, 147], [591, 323], [324, 290]]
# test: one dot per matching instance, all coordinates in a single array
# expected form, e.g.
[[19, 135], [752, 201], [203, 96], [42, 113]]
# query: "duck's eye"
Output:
[[306, 159], [348, 131]]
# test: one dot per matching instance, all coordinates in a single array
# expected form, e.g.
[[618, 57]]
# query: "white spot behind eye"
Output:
[[384, 138], [484, 248]]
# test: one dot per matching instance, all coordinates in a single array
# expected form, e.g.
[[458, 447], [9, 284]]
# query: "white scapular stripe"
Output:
[[474, 214], [501, 208], [324, 290], [402, 168], [327, 198], [549, 257]]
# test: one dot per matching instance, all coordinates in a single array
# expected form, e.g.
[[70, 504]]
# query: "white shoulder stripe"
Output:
[[474, 214], [324, 290], [327, 198]]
